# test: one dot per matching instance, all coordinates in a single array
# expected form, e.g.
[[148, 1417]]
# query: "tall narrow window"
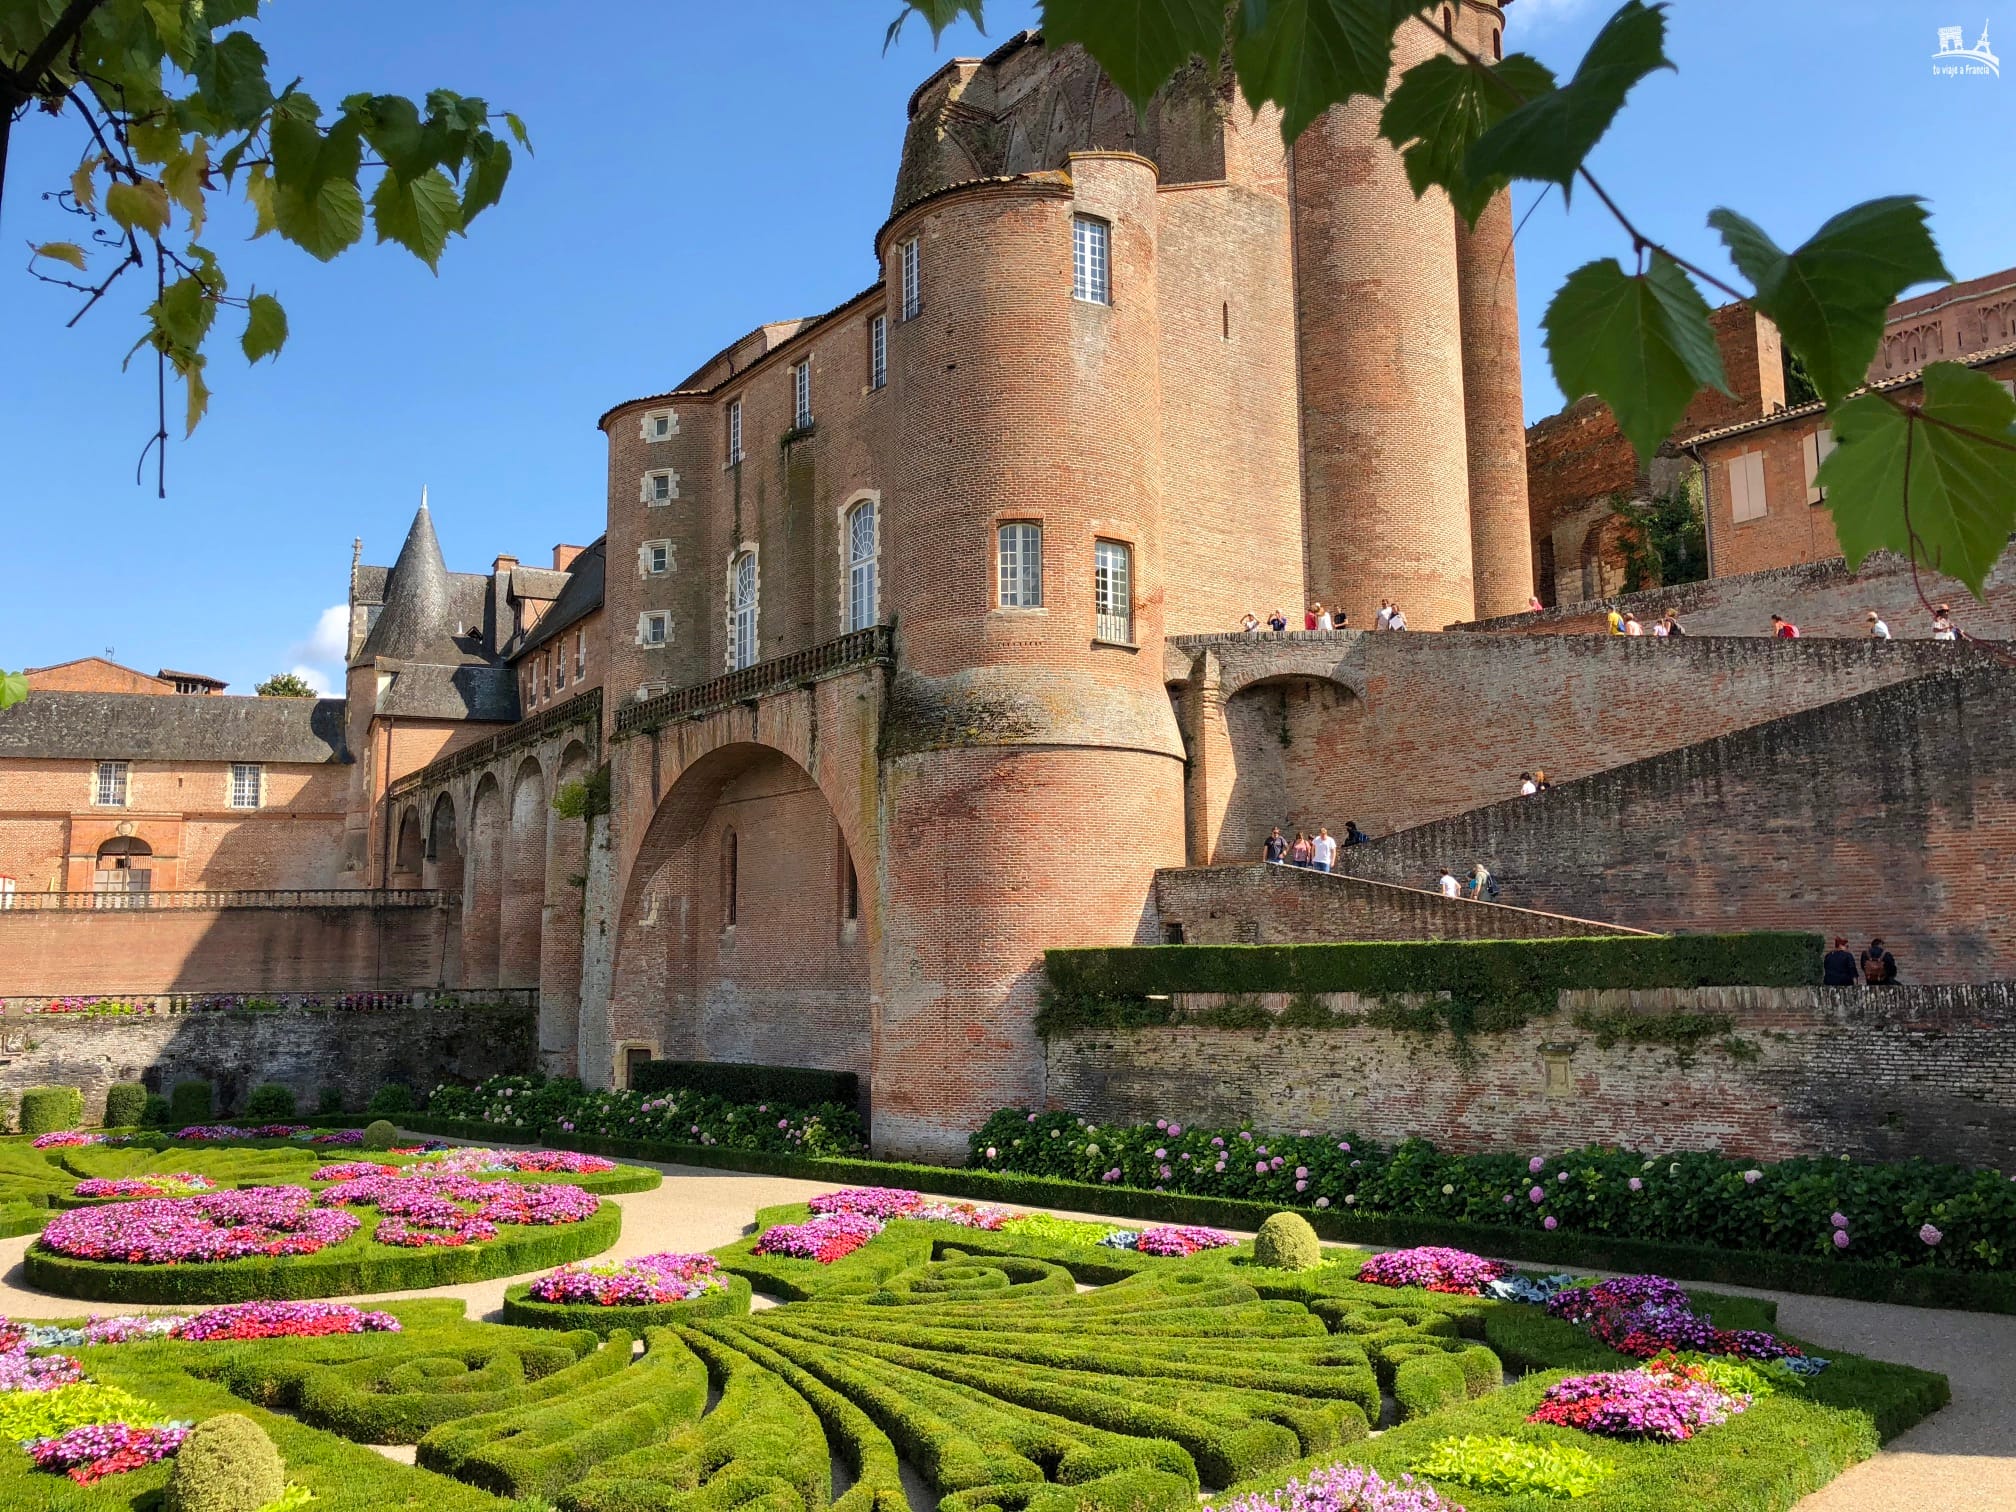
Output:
[[1021, 558], [913, 279], [248, 787], [742, 612], [559, 668], [734, 431], [1113, 591], [111, 785], [861, 564], [1091, 276], [878, 351], [580, 653], [801, 394], [850, 888], [1817, 448], [731, 878]]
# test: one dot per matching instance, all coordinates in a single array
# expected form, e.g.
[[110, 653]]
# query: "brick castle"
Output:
[[910, 651]]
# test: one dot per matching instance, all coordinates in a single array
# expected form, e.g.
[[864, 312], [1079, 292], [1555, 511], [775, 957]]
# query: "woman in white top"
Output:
[[1250, 624]]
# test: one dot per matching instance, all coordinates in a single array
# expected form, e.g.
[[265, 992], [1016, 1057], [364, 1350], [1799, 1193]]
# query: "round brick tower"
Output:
[[1501, 533], [1379, 315], [1032, 776]]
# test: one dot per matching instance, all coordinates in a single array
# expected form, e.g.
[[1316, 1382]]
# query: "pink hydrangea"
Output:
[[1433, 1267]]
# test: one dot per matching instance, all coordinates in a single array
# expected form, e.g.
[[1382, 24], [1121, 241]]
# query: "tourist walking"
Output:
[[1879, 967], [1354, 835], [1615, 621], [1447, 884], [1631, 625], [1312, 614], [1837, 967], [1672, 624], [1302, 851], [1877, 629], [1783, 629], [1540, 780], [1323, 850], [1483, 886], [1277, 847], [1324, 619]]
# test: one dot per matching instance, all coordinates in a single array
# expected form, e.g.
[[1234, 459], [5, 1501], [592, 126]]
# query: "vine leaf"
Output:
[[1642, 343], [417, 213], [1830, 295], [1442, 107], [489, 167], [139, 207], [937, 14], [1547, 139], [1138, 43], [1954, 450], [265, 327], [1307, 55], [13, 688], [63, 252], [321, 221]]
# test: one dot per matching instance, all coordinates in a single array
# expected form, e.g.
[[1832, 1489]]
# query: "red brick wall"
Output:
[[1888, 1075], [1893, 813], [94, 674], [1947, 324], [57, 953]]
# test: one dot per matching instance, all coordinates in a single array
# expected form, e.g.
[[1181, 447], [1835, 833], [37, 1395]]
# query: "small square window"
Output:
[[111, 791], [734, 431], [654, 628], [248, 785], [660, 486], [659, 425], [654, 558]]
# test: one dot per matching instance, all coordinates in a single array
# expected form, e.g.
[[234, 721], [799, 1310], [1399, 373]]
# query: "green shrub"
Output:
[[44, 1110], [226, 1464], [270, 1100], [391, 1100], [125, 1105], [1494, 1462], [380, 1135], [329, 1102], [154, 1111], [1287, 1242], [522, 1310], [796, 1085], [191, 1102]]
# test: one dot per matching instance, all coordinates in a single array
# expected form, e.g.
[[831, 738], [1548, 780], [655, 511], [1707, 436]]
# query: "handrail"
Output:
[[582, 708], [166, 1004], [268, 897], [874, 646]]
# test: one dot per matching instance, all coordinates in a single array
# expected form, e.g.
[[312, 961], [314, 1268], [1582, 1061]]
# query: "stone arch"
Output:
[[1602, 557], [790, 980], [523, 904], [442, 865], [482, 912], [1298, 761], [408, 850], [561, 951]]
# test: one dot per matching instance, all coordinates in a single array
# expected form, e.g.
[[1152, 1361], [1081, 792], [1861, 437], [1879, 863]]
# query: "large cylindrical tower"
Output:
[[1031, 771], [1501, 531], [1386, 468]]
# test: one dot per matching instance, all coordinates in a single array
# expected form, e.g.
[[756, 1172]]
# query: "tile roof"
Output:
[[580, 598], [1818, 407], [146, 727]]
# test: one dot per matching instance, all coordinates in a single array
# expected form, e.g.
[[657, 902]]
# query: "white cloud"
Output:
[[319, 660], [316, 678]]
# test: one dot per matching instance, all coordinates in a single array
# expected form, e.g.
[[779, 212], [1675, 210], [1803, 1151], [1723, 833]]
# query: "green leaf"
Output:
[[138, 207], [937, 14], [1444, 105], [1547, 139], [184, 177], [518, 131], [259, 194], [1139, 43], [170, 25], [1641, 343], [391, 124], [490, 166], [1955, 450], [63, 252], [1830, 296], [323, 223], [417, 213], [231, 81], [182, 315], [265, 328], [1307, 55], [13, 688]]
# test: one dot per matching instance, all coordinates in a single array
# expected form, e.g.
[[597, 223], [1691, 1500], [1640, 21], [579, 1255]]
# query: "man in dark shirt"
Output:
[[1354, 835], [1879, 967], [1277, 846], [1838, 969]]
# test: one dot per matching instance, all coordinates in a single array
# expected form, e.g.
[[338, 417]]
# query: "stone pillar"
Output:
[[1207, 789], [1501, 528], [596, 1045]]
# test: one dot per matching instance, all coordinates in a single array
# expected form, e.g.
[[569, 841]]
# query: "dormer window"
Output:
[[659, 425]]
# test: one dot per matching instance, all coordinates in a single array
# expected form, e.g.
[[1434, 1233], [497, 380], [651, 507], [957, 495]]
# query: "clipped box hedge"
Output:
[[800, 1086], [522, 1309], [1112, 986]]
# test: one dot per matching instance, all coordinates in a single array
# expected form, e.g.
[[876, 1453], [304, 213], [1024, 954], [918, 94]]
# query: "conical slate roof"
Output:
[[418, 620]]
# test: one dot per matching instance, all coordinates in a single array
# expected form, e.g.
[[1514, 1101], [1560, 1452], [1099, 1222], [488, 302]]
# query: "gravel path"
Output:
[[1959, 1460]]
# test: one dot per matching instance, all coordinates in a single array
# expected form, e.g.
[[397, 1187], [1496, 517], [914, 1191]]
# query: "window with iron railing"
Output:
[[1112, 592]]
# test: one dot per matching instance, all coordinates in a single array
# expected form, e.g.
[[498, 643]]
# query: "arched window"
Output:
[[731, 877], [1497, 43], [742, 643], [862, 587], [1448, 23]]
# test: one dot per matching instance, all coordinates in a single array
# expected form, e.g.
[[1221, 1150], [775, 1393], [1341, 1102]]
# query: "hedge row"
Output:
[[357, 1265], [1921, 1286], [1120, 985], [521, 1308], [505, 1104], [797, 1085]]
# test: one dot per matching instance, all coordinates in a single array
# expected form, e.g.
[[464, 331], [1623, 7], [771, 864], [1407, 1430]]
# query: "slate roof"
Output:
[[146, 727], [428, 690], [538, 582], [580, 598]]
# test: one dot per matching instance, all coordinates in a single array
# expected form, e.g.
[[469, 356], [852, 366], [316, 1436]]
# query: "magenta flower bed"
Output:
[[282, 1320], [644, 1281], [201, 1133], [65, 1137], [21, 1371], [1177, 1240], [179, 1184], [1643, 1316], [97, 1450], [1438, 1269], [339, 1137], [1667, 1401], [886, 1203], [214, 1226], [1342, 1488], [824, 1239], [525, 1162]]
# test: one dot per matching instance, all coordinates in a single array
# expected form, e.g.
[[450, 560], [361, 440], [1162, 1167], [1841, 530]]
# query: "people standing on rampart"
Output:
[[1302, 851], [1877, 629], [1322, 850], [1250, 624], [1277, 847], [1448, 885], [1837, 967], [1385, 617]]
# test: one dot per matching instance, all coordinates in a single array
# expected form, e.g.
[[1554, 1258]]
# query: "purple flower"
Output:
[[1636, 1185], [1550, 1221], [1162, 1154], [1538, 1194], [1508, 1199], [1174, 1130], [1930, 1234], [1342, 1488], [1751, 1178], [1840, 1238], [1536, 1165], [1260, 1168], [1301, 1173], [1839, 1220], [1301, 1186]]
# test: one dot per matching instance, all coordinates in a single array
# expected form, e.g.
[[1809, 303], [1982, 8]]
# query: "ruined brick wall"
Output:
[[1892, 813], [60, 952], [1284, 905], [1886, 1075], [302, 1049]]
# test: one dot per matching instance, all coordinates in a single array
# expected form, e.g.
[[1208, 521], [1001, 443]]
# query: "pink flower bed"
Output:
[[214, 1226], [21, 1371], [1457, 1272], [1342, 1488], [1644, 1316], [886, 1203], [1174, 1240], [339, 1137], [1665, 1400], [180, 1184], [647, 1280], [824, 1239], [282, 1320], [97, 1450], [66, 1137], [425, 1209]]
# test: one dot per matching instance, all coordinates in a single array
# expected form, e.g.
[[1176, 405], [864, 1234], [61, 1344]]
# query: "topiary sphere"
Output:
[[227, 1464], [380, 1135], [1286, 1242]]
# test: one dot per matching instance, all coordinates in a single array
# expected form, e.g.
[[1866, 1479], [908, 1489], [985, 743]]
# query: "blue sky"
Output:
[[702, 168]]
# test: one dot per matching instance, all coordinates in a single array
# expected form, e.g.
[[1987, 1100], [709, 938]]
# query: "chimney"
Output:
[[563, 556], [504, 564]]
